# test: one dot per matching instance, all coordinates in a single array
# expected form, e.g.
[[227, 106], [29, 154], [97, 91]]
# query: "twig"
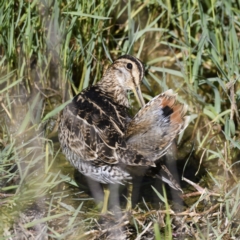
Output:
[[200, 161], [211, 209], [8, 113], [4, 195], [196, 186], [199, 189], [145, 230]]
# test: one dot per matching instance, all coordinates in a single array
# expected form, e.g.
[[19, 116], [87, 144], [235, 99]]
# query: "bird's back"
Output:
[[92, 126], [91, 133]]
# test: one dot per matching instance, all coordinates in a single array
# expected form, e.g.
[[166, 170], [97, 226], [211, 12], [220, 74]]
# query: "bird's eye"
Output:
[[129, 66]]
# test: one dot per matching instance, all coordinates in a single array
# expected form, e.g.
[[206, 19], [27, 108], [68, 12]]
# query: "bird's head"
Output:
[[127, 72]]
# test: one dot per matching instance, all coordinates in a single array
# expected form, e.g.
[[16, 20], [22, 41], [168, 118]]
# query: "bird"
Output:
[[99, 138]]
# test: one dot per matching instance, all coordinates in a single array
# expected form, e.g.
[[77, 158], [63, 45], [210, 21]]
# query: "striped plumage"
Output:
[[155, 126], [92, 137], [153, 129], [102, 142]]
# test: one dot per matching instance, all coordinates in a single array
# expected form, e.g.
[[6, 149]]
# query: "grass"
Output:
[[51, 50]]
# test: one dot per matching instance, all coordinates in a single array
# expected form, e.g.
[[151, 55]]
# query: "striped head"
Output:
[[125, 73]]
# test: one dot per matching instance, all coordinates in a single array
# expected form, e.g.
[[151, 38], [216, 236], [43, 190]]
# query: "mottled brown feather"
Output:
[[155, 126], [102, 142]]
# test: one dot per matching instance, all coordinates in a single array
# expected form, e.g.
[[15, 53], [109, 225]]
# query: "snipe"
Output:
[[101, 141]]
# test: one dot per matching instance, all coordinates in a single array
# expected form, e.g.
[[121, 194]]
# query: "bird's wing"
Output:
[[155, 126], [95, 126]]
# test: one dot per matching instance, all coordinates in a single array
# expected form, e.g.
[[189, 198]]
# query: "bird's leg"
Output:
[[106, 192], [129, 196]]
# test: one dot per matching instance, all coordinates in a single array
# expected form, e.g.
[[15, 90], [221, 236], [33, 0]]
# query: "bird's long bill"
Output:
[[138, 94]]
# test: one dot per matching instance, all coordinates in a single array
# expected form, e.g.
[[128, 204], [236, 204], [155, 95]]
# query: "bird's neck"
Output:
[[113, 90]]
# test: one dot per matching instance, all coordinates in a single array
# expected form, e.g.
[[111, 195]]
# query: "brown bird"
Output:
[[103, 143]]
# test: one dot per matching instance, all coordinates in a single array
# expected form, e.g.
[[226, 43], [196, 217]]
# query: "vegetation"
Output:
[[51, 50]]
